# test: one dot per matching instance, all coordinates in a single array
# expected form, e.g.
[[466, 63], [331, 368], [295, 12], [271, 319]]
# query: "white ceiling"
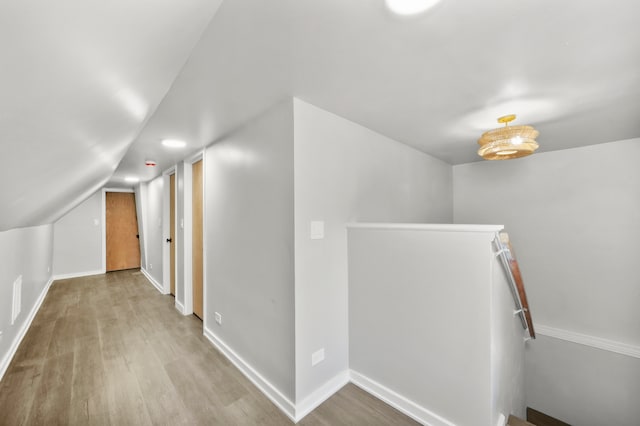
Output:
[[93, 86]]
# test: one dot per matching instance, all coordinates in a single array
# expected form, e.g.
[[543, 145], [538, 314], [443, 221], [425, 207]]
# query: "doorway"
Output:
[[197, 234], [172, 234], [122, 238]]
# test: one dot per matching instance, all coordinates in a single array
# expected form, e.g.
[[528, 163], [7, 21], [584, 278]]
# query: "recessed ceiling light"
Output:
[[132, 179], [174, 143], [410, 7]]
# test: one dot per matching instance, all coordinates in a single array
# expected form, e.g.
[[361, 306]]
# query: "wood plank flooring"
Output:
[[104, 350]]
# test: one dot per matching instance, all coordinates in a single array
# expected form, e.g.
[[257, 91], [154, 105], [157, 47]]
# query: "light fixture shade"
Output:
[[508, 142]]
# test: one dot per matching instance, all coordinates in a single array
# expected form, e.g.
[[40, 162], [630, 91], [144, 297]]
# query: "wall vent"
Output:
[[17, 299]]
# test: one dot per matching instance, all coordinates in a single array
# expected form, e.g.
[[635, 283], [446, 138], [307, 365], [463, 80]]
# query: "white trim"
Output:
[[141, 200], [179, 306], [118, 189], [78, 274], [166, 233], [166, 226], [587, 340], [195, 157], [187, 238], [204, 239], [321, 394], [23, 330], [427, 227], [270, 391], [153, 281], [169, 171], [104, 229], [399, 402]]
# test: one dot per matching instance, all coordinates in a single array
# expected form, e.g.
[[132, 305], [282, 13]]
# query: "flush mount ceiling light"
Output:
[[508, 142], [409, 7], [132, 179], [174, 143]]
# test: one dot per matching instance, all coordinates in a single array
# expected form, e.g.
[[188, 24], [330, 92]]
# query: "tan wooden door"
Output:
[[197, 239], [123, 245], [172, 233]]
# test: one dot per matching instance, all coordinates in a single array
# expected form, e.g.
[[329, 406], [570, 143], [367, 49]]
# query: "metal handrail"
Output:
[[505, 252]]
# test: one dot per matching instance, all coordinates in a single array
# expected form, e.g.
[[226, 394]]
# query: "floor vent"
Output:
[[17, 299]]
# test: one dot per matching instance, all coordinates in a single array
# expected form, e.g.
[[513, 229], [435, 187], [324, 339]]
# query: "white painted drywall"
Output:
[[573, 219], [582, 385], [27, 252], [78, 245], [153, 234], [420, 319], [345, 173], [249, 237], [507, 349]]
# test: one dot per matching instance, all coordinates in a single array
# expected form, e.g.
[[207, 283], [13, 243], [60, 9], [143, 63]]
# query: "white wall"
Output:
[[347, 173], [582, 385], [152, 203], [573, 219], [27, 252], [249, 245], [507, 350], [423, 323], [78, 239]]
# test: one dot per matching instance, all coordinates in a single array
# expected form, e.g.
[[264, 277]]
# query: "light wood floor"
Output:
[[104, 350]]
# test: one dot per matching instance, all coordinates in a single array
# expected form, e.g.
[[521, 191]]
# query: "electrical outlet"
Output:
[[317, 356], [151, 266], [218, 318]]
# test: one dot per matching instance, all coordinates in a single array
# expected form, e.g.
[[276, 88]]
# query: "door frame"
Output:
[[104, 221], [199, 156], [166, 230], [187, 232], [184, 234]]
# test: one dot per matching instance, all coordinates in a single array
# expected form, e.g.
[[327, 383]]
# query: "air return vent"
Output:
[[17, 299]]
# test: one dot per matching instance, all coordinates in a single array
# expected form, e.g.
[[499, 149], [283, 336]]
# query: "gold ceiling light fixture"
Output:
[[508, 142]]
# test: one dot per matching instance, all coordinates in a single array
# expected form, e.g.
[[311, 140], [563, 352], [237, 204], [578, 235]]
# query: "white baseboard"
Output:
[[152, 280], [321, 394], [270, 391], [6, 360], [179, 307], [399, 402], [592, 341], [78, 274]]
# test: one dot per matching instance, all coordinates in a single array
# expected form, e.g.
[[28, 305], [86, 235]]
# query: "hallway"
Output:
[[104, 350]]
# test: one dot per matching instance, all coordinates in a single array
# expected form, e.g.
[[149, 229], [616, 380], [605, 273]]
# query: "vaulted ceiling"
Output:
[[91, 88]]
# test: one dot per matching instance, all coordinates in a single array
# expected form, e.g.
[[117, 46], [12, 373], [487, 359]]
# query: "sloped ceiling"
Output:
[[83, 80], [79, 80], [435, 81]]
